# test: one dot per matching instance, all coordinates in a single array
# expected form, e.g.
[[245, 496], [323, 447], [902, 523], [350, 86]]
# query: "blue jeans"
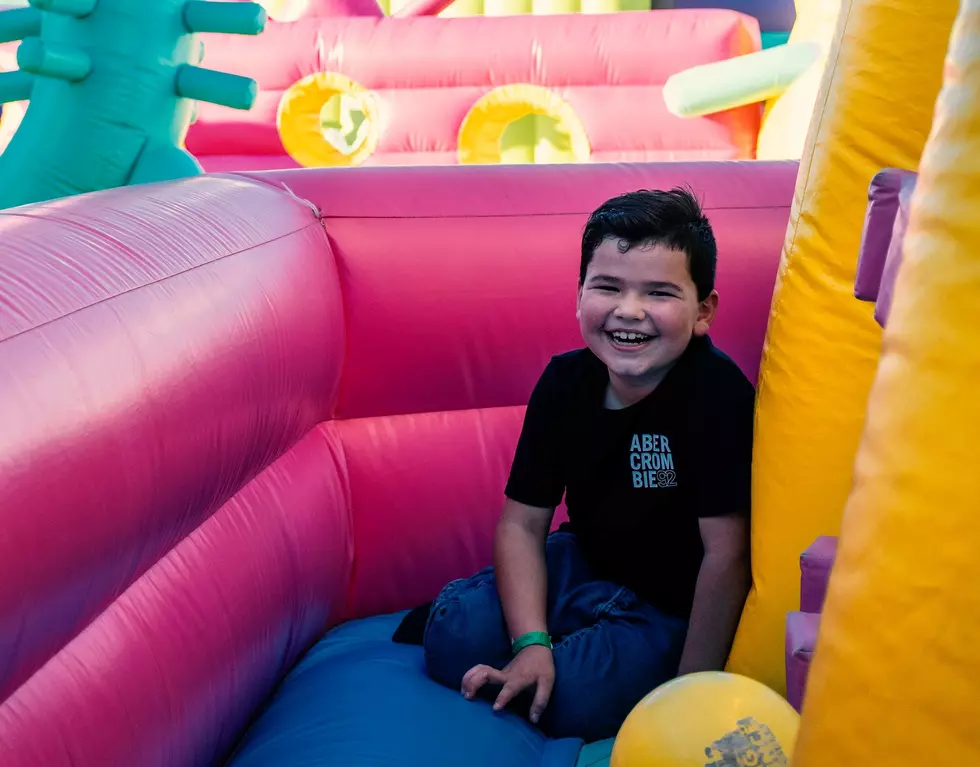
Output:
[[610, 647]]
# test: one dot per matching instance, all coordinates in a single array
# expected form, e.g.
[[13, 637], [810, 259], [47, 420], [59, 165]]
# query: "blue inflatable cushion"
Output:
[[357, 699]]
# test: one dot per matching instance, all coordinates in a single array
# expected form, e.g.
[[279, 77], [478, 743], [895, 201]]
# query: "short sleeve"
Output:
[[724, 483], [536, 478]]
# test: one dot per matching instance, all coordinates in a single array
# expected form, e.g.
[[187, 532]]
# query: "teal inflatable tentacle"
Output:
[[112, 86], [18, 23]]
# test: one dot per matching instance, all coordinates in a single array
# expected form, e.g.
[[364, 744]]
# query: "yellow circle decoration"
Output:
[[327, 119], [483, 128]]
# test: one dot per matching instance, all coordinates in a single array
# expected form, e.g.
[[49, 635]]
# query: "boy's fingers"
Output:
[[507, 694], [478, 676], [541, 696]]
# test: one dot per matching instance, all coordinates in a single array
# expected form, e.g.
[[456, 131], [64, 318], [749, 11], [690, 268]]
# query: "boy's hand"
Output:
[[531, 666]]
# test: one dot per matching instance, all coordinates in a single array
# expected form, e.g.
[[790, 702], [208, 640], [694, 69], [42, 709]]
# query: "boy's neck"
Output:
[[622, 393]]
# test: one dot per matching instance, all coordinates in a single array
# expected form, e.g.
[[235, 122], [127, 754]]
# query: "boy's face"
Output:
[[638, 310]]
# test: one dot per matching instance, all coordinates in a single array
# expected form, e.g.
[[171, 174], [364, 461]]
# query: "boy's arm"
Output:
[[723, 500], [519, 566], [522, 583], [534, 488], [722, 586], [519, 550]]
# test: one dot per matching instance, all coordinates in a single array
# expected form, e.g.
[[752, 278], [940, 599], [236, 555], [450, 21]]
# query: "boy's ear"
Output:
[[706, 314]]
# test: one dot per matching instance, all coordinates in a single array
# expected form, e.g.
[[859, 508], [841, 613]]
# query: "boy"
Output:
[[647, 434]]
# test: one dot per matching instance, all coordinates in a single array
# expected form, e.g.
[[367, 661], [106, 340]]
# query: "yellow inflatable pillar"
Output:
[[894, 678], [874, 110]]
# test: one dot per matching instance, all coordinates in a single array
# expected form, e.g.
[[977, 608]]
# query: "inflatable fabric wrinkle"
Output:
[[123, 247], [328, 431]]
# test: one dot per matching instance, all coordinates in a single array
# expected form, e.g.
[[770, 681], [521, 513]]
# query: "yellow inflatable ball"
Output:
[[709, 719]]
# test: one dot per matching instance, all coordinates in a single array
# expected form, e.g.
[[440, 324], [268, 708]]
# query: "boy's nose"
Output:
[[630, 308]]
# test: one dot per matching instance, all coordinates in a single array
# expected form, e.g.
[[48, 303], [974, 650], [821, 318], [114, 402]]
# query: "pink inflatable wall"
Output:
[[425, 75], [237, 411]]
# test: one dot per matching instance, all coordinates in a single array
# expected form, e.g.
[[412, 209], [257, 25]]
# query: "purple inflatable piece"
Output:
[[893, 259], [773, 15], [815, 566], [801, 637], [879, 220]]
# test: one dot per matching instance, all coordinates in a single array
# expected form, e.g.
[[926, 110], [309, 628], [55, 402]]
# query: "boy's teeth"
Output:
[[634, 337]]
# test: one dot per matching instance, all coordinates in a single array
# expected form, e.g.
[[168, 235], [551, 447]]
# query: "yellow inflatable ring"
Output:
[[298, 120], [484, 125]]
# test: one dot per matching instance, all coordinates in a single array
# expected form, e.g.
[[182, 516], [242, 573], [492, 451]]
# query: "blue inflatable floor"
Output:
[[357, 699]]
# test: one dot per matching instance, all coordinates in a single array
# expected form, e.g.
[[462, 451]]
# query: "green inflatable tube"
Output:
[[738, 81]]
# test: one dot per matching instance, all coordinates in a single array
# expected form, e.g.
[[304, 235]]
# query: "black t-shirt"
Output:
[[636, 480]]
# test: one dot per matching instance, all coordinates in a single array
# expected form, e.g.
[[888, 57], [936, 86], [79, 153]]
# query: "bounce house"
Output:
[[251, 417], [514, 88]]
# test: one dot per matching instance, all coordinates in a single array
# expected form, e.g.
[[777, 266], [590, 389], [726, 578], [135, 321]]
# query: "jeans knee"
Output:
[[443, 644], [463, 631], [575, 711], [602, 672]]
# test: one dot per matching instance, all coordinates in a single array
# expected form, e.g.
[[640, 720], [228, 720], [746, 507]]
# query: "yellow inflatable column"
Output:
[[894, 679], [874, 110]]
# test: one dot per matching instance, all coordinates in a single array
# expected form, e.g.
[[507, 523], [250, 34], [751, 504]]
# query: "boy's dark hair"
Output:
[[673, 218]]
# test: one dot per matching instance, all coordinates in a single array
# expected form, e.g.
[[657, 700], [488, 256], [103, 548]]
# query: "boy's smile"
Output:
[[628, 339], [637, 311]]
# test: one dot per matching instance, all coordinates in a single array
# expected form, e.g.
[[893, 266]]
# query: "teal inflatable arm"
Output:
[[112, 86], [738, 81]]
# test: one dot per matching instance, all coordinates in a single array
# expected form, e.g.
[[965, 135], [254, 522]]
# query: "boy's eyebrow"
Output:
[[603, 278], [650, 285]]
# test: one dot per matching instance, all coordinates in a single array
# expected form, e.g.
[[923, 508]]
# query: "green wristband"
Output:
[[531, 638]]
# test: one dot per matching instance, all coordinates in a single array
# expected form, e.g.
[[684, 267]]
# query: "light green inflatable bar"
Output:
[[112, 86], [738, 81]]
